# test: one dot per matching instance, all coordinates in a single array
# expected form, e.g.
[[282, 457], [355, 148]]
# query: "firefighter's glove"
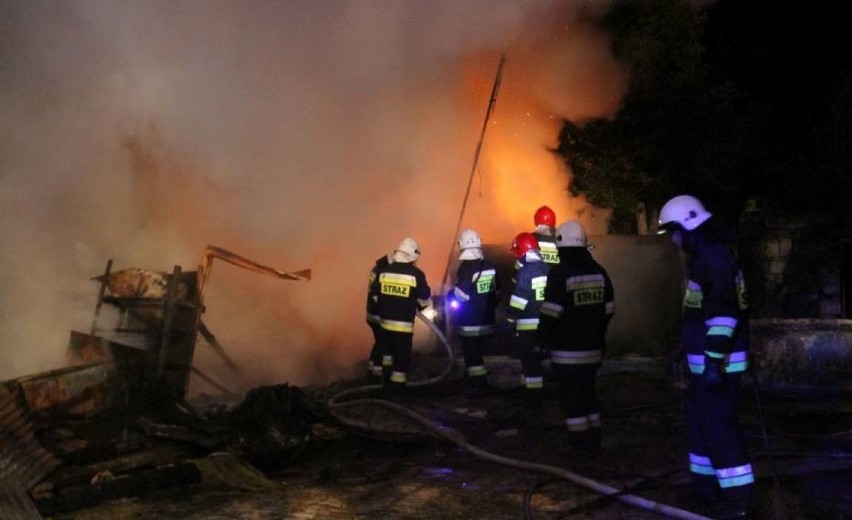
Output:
[[715, 379]]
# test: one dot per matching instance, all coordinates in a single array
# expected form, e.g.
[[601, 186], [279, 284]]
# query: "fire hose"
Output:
[[334, 405]]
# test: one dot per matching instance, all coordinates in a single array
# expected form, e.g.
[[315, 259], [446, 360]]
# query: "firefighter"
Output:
[[545, 231], [399, 289], [474, 296], [376, 360], [578, 305], [522, 313], [715, 338]]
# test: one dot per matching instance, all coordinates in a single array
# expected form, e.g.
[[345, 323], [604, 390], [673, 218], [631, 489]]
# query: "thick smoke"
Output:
[[300, 134]]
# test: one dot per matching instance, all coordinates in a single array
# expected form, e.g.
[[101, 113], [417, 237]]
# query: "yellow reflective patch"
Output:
[[395, 289], [579, 285], [403, 279], [693, 299], [549, 253], [588, 296], [538, 285], [485, 284]]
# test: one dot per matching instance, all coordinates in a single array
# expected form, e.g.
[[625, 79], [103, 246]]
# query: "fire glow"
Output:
[[299, 151]]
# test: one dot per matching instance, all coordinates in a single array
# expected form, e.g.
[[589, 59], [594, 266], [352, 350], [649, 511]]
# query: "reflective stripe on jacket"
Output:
[[477, 288], [579, 302], [547, 246], [715, 322], [527, 296], [400, 288]]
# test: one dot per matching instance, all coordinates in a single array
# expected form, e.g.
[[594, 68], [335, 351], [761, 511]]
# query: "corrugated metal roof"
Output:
[[16, 504], [23, 460]]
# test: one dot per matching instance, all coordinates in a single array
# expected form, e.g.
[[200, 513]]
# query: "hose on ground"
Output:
[[529, 494], [448, 369], [767, 443], [455, 437]]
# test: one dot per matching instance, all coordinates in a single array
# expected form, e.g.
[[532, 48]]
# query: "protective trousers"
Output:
[[575, 385], [396, 353], [473, 351], [719, 460], [529, 353], [375, 361]]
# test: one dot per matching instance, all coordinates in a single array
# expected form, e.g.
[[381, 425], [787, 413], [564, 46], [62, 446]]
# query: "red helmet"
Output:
[[523, 243], [545, 216]]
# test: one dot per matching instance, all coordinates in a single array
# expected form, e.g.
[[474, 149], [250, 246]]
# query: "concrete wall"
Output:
[[647, 273], [812, 353]]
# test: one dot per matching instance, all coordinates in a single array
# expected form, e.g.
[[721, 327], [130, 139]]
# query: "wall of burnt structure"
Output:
[[797, 266]]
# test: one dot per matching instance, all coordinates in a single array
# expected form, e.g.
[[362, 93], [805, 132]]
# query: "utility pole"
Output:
[[491, 103]]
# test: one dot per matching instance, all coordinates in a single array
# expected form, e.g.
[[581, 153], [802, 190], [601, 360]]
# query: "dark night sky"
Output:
[[792, 57], [779, 50]]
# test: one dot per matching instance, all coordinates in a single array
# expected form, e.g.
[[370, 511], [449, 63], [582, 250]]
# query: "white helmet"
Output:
[[408, 249], [570, 234], [469, 239], [684, 211]]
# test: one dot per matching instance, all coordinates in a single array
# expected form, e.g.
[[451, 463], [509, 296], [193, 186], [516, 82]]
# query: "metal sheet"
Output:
[[83, 389], [23, 460]]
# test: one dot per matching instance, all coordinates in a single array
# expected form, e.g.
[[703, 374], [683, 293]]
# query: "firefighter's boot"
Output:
[[478, 386], [374, 377], [594, 440], [705, 489], [735, 503], [574, 445], [397, 392], [532, 416], [534, 399]]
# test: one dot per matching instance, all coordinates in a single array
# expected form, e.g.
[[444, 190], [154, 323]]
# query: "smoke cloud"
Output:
[[299, 134]]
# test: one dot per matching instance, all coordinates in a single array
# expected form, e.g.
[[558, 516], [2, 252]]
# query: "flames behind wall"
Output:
[[300, 134]]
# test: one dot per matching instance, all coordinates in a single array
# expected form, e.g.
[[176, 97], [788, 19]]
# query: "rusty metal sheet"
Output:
[[134, 282], [82, 389], [84, 349]]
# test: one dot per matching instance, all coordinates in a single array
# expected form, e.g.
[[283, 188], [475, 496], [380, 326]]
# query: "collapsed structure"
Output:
[[141, 355]]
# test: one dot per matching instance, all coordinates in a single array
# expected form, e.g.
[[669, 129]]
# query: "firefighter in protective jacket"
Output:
[[578, 305], [530, 279], [715, 337], [376, 361], [399, 289], [475, 294]]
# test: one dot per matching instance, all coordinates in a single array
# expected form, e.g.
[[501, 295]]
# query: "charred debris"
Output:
[[115, 422]]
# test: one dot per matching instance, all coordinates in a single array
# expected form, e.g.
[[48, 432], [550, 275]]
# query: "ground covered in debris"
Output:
[[279, 454]]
